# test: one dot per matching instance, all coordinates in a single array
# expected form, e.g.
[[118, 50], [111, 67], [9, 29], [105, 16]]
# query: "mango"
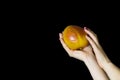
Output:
[[74, 37]]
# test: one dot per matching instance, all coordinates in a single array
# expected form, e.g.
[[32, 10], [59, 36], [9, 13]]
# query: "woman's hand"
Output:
[[98, 50], [104, 62], [78, 54]]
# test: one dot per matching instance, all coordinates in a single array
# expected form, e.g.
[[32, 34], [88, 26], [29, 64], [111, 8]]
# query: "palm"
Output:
[[78, 54], [82, 54]]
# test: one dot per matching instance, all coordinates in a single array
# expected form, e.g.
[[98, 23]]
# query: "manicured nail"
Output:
[[85, 28]]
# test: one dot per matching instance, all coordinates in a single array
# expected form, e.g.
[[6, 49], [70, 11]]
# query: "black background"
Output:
[[33, 39]]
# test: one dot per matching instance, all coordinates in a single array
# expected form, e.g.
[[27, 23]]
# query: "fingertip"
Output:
[[60, 35], [85, 28]]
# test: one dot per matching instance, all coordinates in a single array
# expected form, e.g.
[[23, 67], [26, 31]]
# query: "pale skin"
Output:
[[94, 57]]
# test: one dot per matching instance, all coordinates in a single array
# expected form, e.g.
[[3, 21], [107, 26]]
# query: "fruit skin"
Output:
[[74, 37]]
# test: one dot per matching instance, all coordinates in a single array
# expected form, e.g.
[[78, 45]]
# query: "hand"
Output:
[[104, 62], [98, 50], [78, 54]]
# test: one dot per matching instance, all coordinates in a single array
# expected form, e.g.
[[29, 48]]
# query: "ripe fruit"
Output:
[[74, 37]]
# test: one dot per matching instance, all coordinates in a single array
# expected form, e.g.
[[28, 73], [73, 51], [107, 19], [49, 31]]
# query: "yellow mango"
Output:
[[74, 37]]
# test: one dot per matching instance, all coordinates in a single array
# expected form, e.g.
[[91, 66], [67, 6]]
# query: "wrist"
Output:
[[106, 63], [89, 59], [95, 70]]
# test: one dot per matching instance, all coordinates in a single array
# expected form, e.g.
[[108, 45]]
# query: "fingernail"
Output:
[[85, 28]]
